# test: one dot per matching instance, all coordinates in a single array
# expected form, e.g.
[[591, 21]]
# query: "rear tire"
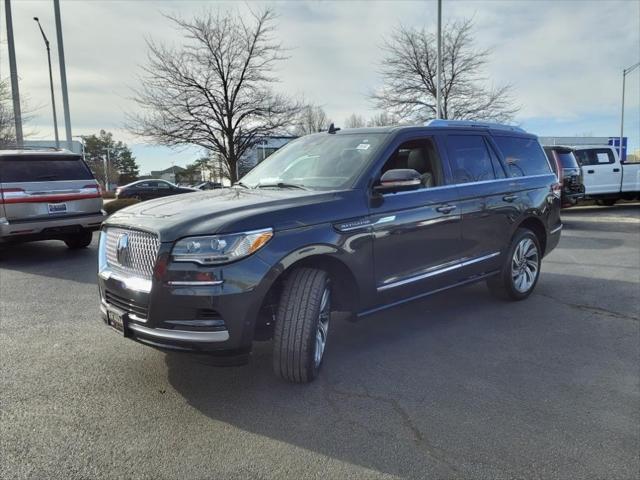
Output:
[[302, 324], [520, 269], [80, 240]]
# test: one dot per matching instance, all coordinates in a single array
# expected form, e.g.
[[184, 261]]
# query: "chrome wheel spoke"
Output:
[[525, 265], [323, 325]]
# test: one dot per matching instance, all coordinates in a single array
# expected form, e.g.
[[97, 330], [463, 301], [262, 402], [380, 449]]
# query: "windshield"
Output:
[[322, 161]]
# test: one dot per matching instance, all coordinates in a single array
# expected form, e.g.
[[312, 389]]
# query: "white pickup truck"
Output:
[[605, 178]]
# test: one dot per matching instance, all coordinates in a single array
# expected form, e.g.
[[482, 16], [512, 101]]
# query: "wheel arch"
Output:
[[345, 292], [537, 227]]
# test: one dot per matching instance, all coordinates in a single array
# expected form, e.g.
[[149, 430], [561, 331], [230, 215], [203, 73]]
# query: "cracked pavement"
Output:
[[456, 386]]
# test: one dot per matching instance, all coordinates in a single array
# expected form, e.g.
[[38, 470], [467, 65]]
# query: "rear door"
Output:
[[601, 173], [45, 186], [487, 200]]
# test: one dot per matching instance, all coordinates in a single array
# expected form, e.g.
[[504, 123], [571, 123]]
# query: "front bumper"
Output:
[[50, 228], [218, 317]]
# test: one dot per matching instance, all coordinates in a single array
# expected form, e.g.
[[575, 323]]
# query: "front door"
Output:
[[600, 172], [417, 233]]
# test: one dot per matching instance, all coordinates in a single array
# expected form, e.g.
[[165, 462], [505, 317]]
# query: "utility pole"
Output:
[[53, 98], [15, 91], [439, 66], [625, 72], [63, 74]]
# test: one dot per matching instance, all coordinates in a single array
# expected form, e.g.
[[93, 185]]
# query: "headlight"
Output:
[[217, 249]]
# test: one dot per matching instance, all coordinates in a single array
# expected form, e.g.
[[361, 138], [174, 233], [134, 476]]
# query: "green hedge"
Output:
[[116, 205]]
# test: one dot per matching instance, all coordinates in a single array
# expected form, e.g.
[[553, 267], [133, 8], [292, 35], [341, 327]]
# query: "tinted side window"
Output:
[[469, 157], [523, 156], [498, 169], [420, 155], [43, 169], [567, 160], [595, 156], [164, 185]]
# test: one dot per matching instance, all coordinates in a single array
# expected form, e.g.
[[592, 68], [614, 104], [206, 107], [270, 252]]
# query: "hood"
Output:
[[232, 210]]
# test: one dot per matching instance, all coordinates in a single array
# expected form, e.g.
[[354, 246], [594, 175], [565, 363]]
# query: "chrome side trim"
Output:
[[204, 283], [180, 335], [132, 283], [556, 230], [390, 218], [481, 182], [461, 263]]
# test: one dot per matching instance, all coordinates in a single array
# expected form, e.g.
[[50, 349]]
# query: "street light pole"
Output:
[[439, 66], [53, 99], [13, 71], [625, 71], [63, 74]]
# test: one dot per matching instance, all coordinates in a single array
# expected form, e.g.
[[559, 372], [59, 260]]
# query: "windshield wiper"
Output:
[[281, 185], [240, 184]]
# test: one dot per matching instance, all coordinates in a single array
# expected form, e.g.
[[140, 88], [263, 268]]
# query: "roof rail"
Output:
[[473, 124]]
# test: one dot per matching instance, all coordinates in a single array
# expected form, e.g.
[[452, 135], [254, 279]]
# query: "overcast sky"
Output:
[[563, 58]]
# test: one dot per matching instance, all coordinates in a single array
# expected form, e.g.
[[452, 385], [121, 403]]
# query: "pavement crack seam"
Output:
[[419, 439], [592, 309]]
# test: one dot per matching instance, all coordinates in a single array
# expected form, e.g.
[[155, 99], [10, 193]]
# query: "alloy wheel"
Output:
[[525, 265]]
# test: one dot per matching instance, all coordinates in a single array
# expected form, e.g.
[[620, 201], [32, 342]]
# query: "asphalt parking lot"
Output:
[[456, 386]]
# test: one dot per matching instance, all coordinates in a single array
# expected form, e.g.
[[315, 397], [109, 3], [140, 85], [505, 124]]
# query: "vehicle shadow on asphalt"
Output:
[[401, 392], [348, 413], [52, 259]]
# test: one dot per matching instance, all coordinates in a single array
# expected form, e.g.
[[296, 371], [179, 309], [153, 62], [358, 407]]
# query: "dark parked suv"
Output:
[[565, 165], [357, 220]]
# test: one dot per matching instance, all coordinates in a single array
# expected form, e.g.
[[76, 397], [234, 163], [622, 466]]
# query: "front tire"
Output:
[[302, 324], [521, 268], [80, 240]]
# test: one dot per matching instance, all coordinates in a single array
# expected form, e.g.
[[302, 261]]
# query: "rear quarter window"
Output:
[[33, 168], [523, 156]]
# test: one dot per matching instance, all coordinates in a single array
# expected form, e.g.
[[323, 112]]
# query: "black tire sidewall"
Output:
[[80, 240], [286, 363]]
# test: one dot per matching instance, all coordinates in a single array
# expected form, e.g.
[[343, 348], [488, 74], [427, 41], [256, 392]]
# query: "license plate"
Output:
[[116, 320], [57, 208]]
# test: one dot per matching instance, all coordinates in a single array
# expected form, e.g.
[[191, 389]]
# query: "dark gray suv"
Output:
[[356, 220]]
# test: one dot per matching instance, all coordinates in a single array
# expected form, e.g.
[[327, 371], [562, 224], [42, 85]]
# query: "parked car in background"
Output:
[[48, 195], [606, 179], [208, 185], [370, 218], [148, 189], [569, 174]]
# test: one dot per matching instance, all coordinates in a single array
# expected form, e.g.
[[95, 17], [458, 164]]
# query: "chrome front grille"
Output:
[[132, 252]]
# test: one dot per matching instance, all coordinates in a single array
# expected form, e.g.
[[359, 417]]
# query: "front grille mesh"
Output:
[[138, 252]]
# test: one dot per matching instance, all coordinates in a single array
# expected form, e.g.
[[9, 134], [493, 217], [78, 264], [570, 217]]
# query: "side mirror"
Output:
[[399, 180]]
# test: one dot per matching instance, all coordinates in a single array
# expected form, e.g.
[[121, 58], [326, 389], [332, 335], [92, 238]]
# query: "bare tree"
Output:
[[215, 90], [7, 119], [354, 121], [383, 119], [312, 119], [408, 72]]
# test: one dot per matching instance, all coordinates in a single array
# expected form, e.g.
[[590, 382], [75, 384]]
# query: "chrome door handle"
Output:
[[446, 208], [509, 198]]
